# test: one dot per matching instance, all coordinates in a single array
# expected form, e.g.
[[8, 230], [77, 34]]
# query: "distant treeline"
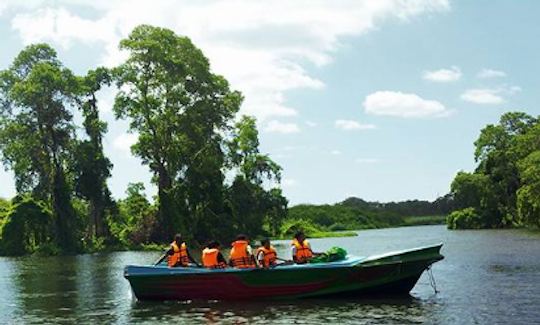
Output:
[[355, 213], [504, 190], [189, 135]]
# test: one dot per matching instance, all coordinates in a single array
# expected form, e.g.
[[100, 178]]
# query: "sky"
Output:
[[378, 99]]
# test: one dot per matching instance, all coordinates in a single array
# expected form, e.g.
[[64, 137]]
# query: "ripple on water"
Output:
[[487, 277]]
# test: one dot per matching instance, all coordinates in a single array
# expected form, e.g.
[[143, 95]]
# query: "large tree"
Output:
[[36, 131], [498, 159], [251, 204], [504, 188], [179, 109], [92, 168]]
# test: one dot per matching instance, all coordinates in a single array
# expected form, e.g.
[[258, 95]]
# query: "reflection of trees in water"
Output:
[[67, 288], [312, 311], [96, 286], [47, 287]]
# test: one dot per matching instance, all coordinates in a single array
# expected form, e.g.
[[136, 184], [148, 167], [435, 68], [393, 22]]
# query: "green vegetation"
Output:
[[27, 227], [355, 214], [504, 190], [189, 136], [424, 220]]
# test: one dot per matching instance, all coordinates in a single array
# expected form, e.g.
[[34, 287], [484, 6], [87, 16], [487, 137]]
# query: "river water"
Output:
[[487, 277]]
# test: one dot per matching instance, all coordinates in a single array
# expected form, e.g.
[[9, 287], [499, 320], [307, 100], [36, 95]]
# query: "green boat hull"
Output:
[[393, 273]]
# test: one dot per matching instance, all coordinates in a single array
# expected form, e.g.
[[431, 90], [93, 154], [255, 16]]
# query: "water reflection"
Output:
[[312, 311], [47, 287], [487, 277]]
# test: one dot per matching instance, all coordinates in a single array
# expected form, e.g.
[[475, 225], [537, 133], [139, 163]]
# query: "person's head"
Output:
[[300, 236], [178, 238], [213, 244], [242, 237], [266, 243]]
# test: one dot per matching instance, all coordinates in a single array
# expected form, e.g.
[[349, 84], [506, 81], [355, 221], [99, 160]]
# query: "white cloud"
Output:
[[289, 182], [261, 47], [353, 125], [482, 96], [281, 127], [124, 141], [443, 75], [366, 160], [60, 26], [335, 152], [489, 73], [489, 96], [311, 124], [396, 103]]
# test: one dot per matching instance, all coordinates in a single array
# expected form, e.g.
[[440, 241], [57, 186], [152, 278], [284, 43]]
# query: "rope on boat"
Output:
[[432, 279]]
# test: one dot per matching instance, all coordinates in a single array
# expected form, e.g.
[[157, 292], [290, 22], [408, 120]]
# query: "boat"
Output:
[[390, 273]]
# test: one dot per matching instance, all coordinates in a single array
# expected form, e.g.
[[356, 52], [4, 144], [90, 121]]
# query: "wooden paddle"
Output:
[[161, 259], [282, 259], [285, 262]]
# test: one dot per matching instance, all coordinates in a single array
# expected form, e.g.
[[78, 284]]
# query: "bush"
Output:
[[467, 218], [290, 227], [48, 249], [27, 226], [337, 227]]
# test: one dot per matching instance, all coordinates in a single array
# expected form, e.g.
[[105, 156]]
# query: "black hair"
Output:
[[265, 241], [241, 237], [299, 234], [213, 244], [178, 238]]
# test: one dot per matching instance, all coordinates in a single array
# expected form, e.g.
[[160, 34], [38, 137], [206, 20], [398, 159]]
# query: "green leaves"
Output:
[[503, 190], [180, 110], [184, 116]]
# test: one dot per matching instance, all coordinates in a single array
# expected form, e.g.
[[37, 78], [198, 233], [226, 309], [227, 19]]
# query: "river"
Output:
[[487, 277]]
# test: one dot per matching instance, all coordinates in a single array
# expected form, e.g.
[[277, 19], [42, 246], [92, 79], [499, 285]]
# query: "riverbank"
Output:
[[312, 230], [424, 220]]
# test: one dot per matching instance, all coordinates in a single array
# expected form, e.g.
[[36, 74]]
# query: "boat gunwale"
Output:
[[369, 261]]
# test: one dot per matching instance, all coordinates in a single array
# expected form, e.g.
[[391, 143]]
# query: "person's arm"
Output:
[[221, 259], [250, 255], [293, 252], [310, 249], [259, 259], [312, 252]]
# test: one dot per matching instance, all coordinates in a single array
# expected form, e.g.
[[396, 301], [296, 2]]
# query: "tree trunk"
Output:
[[165, 229], [63, 212]]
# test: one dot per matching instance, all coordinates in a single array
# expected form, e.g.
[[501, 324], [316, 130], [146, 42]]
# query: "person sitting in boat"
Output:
[[266, 254], [212, 257], [301, 249], [178, 254], [241, 253]]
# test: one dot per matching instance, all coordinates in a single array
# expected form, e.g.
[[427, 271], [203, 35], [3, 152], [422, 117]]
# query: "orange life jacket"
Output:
[[179, 256], [269, 255], [210, 259], [239, 256], [303, 251]]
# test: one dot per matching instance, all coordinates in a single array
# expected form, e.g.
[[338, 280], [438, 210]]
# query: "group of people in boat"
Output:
[[241, 254]]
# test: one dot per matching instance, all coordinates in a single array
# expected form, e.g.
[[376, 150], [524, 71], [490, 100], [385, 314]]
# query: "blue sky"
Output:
[[375, 99]]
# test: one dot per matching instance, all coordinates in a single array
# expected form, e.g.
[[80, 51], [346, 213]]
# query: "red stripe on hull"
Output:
[[222, 287]]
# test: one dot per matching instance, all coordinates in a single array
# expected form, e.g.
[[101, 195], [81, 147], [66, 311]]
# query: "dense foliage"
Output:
[[504, 190], [189, 136], [27, 227], [355, 213]]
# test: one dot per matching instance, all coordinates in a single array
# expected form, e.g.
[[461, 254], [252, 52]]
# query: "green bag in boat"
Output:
[[332, 255]]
